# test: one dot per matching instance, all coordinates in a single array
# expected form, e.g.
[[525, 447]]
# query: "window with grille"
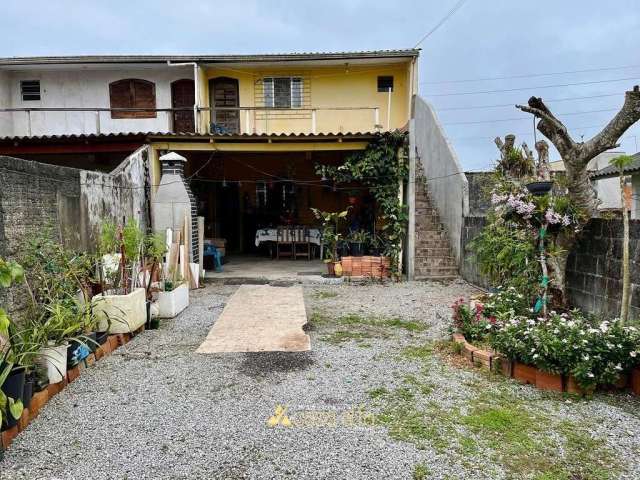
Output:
[[30, 90], [132, 93], [385, 83], [283, 92]]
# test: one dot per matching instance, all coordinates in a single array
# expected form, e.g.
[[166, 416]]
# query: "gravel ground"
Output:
[[154, 409]]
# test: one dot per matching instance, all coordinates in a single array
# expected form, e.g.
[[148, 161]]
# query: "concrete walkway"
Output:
[[260, 318]]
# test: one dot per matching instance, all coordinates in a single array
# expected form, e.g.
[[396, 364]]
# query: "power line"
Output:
[[529, 75], [519, 119], [519, 89], [449, 14], [566, 99]]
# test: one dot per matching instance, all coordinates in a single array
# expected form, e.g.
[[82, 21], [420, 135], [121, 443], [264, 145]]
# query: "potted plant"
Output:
[[123, 295], [331, 236], [357, 242]]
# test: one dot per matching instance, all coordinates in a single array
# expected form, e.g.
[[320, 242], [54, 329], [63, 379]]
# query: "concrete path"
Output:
[[260, 318]]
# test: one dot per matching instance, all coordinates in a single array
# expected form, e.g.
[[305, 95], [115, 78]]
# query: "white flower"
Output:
[[590, 375], [633, 354], [585, 357], [618, 367], [564, 340], [535, 356]]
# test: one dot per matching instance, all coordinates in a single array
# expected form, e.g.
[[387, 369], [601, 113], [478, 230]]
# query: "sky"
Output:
[[483, 39]]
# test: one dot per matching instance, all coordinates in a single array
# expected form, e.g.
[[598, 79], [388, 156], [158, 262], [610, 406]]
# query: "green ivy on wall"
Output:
[[382, 169]]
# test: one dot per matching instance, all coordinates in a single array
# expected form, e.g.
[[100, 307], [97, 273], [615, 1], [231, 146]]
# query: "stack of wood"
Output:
[[177, 266], [366, 266]]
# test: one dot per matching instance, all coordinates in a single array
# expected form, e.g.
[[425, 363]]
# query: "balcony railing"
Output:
[[294, 120], [45, 121]]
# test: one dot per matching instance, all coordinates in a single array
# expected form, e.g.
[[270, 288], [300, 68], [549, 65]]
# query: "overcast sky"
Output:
[[485, 38]]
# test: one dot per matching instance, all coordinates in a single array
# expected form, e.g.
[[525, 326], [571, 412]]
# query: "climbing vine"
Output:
[[382, 169]]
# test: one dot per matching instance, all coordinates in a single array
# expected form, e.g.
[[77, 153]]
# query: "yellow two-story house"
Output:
[[254, 129]]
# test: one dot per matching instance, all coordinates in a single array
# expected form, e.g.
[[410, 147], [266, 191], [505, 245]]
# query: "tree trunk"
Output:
[[576, 157]]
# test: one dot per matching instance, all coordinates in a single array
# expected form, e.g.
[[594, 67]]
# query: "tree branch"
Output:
[[549, 125], [609, 135]]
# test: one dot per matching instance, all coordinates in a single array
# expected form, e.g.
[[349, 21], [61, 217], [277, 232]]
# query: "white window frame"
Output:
[[269, 94]]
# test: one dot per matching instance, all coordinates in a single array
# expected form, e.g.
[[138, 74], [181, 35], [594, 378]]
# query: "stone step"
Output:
[[442, 251], [436, 272]]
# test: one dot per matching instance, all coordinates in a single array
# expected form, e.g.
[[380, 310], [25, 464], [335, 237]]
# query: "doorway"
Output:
[[223, 95], [183, 96]]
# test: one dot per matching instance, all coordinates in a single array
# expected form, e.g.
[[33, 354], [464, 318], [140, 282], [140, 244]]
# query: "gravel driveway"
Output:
[[377, 397]]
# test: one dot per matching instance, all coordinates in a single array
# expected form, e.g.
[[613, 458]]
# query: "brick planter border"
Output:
[[41, 398], [527, 374], [366, 266]]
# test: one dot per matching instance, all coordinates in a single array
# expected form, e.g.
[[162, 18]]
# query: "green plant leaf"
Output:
[[15, 407], [4, 323]]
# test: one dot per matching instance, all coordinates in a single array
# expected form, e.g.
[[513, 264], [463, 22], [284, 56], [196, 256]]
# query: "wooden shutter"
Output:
[[144, 96], [132, 93]]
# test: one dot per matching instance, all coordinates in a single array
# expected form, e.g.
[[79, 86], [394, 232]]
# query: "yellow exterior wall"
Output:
[[353, 89]]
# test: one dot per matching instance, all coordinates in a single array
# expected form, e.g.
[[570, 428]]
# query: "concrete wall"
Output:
[[593, 268], [118, 195], [72, 202], [480, 185], [446, 182], [83, 88]]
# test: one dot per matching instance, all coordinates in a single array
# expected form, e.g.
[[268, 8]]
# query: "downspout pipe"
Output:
[[196, 90]]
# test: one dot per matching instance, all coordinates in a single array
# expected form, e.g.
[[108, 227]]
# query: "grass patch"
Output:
[[378, 392], [342, 336], [324, 295], [418, 352], [357, 327], [520, 437], [421, 472]]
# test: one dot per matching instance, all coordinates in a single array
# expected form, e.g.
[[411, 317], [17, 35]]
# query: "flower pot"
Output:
[[120, 313], [54, 360], [571, 386], [539, 189], [356, 249], [92, 341], [154, 324], [548, 381], [524, 373], [102, 337], [172, 303], [27, 393], [14, 387], [331, 269], [78, 350], [635, 380]]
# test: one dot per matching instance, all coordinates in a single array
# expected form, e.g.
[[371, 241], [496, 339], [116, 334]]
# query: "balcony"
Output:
[[252, 120], [42, 121]]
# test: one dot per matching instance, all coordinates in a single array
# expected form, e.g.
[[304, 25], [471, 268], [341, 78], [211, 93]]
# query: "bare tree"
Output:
[[577, 155]]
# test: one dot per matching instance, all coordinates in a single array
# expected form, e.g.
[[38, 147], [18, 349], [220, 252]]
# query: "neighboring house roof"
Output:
[[193, 136], [611, 171], [272, 57]]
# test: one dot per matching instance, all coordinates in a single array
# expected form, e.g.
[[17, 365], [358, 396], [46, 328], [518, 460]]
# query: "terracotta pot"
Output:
[[548, 381], [635, 380], [524, 373], [502, 365], [622, 382]]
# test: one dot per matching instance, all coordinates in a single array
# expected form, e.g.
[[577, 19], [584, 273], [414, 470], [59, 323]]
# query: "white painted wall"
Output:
[[446, 181], [83, 88], [607, 189], [6, 127]]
